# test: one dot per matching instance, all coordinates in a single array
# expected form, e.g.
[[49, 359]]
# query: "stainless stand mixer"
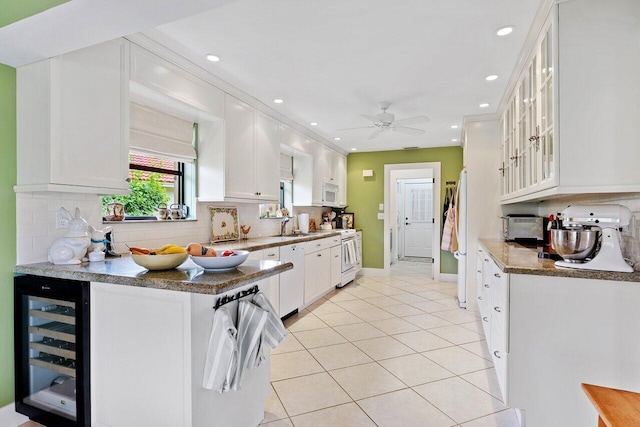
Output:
[[582, 228]]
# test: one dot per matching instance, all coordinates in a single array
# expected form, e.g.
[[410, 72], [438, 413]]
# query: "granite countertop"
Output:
[[188, 277], [523, 259], [258, 243]]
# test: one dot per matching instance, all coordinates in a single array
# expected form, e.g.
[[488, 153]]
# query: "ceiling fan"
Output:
[[383, 122]]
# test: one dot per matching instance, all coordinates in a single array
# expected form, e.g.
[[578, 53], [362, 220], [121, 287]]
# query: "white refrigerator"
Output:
[[461, 231]]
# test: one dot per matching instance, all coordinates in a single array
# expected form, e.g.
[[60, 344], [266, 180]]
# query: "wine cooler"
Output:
[[52, 350]]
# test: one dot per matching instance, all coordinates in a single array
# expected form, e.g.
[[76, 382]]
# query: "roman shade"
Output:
[[160, 135], [286, 167]]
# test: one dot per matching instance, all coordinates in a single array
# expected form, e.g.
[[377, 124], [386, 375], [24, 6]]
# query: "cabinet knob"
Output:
[[486, 285], [480, 298], [497, 309], [336, 256], [480, 271], [319, 254], [486, 260], [271, 254], [128, 180], [497, 275], [485, 319], [495, 353]]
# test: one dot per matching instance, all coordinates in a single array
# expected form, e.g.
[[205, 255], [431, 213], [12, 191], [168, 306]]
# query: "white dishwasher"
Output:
[[292, 281]]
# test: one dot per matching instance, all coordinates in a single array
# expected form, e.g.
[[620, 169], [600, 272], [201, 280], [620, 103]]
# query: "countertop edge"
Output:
[[544, 267], [157, 282]]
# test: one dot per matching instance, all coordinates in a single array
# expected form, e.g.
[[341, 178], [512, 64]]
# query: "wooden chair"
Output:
[[616, 408]]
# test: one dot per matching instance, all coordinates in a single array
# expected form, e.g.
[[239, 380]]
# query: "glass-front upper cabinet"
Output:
[[527, 123]]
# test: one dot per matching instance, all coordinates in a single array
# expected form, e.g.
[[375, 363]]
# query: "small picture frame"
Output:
[[348, 220], [224, 224]]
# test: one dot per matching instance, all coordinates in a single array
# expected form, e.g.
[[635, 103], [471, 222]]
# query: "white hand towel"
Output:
[[222, 355], [274, 330], [251, 322]]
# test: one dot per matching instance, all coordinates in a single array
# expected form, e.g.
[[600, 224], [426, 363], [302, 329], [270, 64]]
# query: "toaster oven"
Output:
[[522, 227]]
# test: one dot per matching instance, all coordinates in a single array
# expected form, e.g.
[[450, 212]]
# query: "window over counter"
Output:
[[161, 169]]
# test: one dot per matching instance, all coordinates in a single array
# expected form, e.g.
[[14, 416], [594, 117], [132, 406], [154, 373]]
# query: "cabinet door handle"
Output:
[[480, 271], [497, 275], [336, 256], [497, 309], [485, 319], [319, 254], [495, 353], [271, 254], [480, 298], [486, 260], [128, 180], [319, 244], [486, 285]]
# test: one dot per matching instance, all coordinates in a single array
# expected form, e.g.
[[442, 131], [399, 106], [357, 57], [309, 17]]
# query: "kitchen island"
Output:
[[550, 329], [149, 337]]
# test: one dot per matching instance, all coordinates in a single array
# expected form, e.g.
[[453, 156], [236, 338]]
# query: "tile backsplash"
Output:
[[631, 238], [36, 223]]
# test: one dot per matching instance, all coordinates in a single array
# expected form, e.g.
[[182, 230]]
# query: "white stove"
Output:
[[350, 254]]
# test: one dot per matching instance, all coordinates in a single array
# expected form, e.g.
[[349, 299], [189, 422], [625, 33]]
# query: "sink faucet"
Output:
[[283, 228]]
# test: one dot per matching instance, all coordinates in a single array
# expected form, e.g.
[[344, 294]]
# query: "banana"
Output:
[[169, 249]]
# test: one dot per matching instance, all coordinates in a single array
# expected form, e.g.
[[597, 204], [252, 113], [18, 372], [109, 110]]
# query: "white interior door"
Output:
[[418, 219]]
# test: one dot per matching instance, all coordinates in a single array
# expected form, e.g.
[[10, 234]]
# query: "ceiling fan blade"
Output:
[[375, 133], [372, 118], [413, 120], [361, 127], [410, 131]]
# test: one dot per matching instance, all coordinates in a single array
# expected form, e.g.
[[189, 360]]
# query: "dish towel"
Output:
[[222, 355], [251, 322], [274, 330]]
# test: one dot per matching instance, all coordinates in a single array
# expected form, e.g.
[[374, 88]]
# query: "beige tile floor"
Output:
[[386, 351]]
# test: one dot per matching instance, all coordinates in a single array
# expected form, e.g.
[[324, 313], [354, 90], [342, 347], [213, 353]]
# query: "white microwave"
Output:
[[330, 194]]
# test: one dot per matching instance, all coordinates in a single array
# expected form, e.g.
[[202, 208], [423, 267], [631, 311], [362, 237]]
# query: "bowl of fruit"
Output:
[[211, 259], [164, 258]]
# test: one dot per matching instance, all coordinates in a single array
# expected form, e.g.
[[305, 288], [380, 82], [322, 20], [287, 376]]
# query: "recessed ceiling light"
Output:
[[454, 126], [336, 138], [491, 78], [483, 105], [354, 149], [505, 30], [278, 101], [454, 140], [213, 58], [313, 124]]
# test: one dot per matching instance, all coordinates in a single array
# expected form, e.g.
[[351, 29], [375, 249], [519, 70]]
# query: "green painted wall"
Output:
[[7, 227], [365, 194], [13, 10], [10, 11]]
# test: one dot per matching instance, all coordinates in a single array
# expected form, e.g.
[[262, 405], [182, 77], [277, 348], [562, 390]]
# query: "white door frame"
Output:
[[437, 212]]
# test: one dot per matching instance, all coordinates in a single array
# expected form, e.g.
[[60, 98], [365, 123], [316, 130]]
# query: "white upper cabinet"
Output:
[[328, 167], [252, 163], [73, 121], [570, 125]]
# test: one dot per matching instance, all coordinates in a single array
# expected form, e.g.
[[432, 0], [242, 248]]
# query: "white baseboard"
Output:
[[448, 277], [10, 418], [375, 272]]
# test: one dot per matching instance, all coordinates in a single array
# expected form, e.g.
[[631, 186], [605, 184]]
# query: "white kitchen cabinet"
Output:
[[568, 122], [148, 350], [252, 163], [493, 302], [317, 269], [328, 167], [73, 121], [270, 254]]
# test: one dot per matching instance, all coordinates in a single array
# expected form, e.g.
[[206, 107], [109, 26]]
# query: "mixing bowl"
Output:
[[574, 244]]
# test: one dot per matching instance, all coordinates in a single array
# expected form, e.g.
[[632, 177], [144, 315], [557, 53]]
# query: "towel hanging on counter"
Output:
[[251, 322], [274, 331], [222, 355]]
